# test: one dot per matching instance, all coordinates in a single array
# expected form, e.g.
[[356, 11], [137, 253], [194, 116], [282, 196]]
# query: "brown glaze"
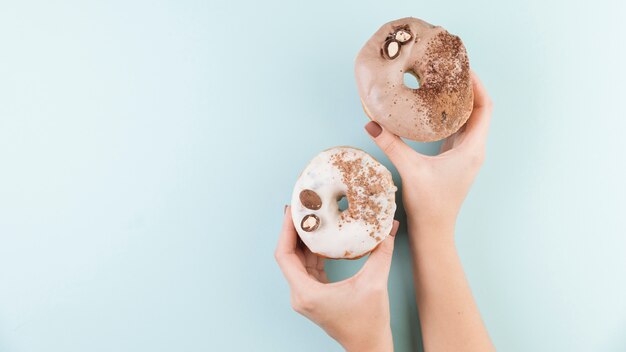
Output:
[[442, 103]]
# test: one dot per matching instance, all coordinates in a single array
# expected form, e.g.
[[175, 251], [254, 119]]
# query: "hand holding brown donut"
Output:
[[434, 187]]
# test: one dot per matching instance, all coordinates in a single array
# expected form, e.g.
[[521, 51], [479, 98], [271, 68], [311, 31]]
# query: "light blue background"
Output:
[[147, 149]]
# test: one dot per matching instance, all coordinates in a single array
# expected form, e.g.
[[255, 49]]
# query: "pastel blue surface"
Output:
[[147, 149]]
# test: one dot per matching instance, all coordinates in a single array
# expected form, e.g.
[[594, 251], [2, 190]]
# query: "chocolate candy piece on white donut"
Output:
[[442, 103], [369, 189]]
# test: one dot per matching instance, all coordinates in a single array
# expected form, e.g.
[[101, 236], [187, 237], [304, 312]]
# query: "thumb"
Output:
[[396, 150], [379, 262]]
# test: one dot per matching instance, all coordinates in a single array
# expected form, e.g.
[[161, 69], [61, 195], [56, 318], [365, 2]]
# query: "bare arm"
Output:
[[449, 316], [434, 188]]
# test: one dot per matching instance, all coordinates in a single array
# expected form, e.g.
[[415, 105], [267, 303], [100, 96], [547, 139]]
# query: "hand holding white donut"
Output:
[[369, 189], [355, 311]]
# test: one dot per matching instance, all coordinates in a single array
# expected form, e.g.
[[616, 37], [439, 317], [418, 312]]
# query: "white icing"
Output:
[[351, 239]]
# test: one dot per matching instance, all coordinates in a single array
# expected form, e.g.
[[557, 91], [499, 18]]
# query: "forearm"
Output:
[[433, 191], [449, 317]]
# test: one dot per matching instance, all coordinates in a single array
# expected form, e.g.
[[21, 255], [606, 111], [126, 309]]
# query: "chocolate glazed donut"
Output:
[[442, 103]]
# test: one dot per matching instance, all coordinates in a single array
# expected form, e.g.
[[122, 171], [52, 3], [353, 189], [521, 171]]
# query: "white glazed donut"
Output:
[[369, 189]]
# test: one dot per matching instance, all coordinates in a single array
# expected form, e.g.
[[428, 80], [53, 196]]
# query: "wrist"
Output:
[[431, 212], [429, 230], [381, 343]]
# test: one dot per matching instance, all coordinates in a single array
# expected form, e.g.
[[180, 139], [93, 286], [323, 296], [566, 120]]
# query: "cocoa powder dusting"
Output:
[[446, 86], [365, 183]]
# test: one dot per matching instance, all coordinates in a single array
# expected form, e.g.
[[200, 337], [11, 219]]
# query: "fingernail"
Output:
[[396, 225], [285, 209], [373, 129]]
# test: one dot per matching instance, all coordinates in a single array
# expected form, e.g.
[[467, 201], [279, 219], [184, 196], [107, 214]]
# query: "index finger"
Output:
[[285, 253]]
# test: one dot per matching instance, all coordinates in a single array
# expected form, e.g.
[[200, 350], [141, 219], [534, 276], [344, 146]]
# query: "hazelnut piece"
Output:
[[391, 49], [310, 199], [310, 223], [403, 36]]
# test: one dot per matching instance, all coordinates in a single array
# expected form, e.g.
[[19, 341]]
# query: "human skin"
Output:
[[355, 311], [433, 190]]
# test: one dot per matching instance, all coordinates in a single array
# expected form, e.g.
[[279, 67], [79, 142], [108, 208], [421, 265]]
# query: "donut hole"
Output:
[[342, 202], [339, 270], [411, 80]]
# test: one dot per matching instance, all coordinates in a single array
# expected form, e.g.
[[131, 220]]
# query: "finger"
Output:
[[313, 260], [323, 277], [286, 252], [481, 97], [396, 150], [478, 124], [321, 262], [288, 236], [451, 141], [310, 259], [379, 262], [314, 265]]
